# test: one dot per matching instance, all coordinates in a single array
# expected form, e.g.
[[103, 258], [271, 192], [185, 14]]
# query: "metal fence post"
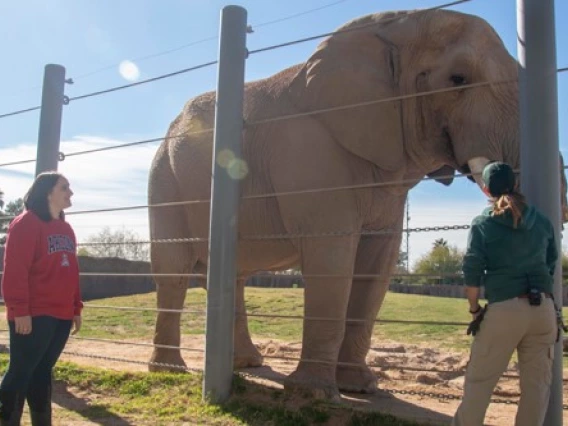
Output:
[[228, 169], [540, 179], [50, 118]]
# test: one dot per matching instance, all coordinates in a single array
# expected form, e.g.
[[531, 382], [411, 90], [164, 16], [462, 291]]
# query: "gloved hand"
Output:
[[473, 327]]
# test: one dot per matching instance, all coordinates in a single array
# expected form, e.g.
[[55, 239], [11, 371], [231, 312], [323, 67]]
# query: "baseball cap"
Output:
[[499, 178]]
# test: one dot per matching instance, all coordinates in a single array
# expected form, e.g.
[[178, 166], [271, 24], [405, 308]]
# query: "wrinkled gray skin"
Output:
[[404, 140]]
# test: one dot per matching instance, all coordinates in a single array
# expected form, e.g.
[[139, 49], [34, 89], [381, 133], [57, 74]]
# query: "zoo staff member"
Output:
[[511, 247], [40, 286]]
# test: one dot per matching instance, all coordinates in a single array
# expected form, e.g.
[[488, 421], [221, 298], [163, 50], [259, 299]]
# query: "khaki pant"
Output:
[[509, 325]]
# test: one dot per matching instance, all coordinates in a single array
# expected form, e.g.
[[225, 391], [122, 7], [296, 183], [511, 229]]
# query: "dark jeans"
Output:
[[32, 356]]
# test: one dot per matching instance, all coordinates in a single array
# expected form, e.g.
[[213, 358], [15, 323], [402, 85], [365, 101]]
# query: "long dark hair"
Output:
[[36, 200], [513, 202]]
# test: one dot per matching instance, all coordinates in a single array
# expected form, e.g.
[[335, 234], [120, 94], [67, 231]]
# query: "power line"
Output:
[[212, 38], [358, 28], [22, 111], [296, 15]]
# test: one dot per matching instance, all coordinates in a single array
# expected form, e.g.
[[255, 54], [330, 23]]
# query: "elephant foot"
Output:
[[166, 360], [309, 386], [246, 354], [356, 379], [246, 359]]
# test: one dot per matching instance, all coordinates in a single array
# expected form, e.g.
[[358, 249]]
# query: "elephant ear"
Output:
[[444, 175], [356, 68]]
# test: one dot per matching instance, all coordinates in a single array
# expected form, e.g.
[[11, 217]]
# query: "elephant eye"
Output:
[[458, 80]]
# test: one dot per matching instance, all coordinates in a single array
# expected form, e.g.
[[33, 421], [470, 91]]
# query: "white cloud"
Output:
[[106, 179]]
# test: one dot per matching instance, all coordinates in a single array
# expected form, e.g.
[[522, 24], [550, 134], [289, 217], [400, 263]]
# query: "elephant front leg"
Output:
[[376, 256], [325, 306], [171, 295], [246, 354]]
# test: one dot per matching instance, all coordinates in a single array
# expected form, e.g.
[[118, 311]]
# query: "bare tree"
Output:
[[122, 243]]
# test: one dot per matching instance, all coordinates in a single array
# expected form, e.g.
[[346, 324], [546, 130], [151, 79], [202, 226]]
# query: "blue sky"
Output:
[[91, 39]]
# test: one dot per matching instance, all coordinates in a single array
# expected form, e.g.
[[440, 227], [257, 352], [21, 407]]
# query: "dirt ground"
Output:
[[406, 393]]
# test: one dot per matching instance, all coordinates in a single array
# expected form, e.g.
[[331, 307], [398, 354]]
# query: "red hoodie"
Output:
[[41, 273]]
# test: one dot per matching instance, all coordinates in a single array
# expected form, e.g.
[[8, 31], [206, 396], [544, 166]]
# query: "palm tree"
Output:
[[440, 242]]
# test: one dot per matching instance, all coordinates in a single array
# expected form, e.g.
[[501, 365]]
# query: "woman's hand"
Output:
[[77, 322], [23, 324]]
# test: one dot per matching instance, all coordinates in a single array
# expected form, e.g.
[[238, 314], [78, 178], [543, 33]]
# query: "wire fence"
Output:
[[336, 233]]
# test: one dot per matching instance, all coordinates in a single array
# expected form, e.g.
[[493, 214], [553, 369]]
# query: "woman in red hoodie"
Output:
[[40, 286]]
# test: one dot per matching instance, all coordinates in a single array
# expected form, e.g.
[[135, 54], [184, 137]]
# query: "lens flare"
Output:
[[129, 70]]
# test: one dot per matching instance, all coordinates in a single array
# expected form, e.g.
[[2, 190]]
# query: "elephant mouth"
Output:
[[464, 169]]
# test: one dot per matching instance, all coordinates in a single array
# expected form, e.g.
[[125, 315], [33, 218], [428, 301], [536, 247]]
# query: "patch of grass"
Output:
[[165, 398], [395, 307], [121, 324]]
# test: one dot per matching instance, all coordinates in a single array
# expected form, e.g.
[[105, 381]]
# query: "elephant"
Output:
[[301, 133]]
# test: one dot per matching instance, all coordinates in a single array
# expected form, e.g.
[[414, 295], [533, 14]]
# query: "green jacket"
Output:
[[508, 261]]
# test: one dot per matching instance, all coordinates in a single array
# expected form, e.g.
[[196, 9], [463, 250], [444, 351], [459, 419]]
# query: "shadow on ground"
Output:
[[259, 399], [96, 414]]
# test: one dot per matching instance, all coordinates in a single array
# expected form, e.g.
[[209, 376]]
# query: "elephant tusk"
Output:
[[476, 165]]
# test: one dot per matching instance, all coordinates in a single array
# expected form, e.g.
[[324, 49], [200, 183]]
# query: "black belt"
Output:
[[526, 296]]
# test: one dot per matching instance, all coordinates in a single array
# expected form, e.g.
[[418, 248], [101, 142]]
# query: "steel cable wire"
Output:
[[35, 108], [365, 233], [278, 194], [279, 118], [202, 351], [125, 342], [141, 344], [210, 63], [22, 111], [117, 88], [132, 361], [267, 195], [126, 361], [107, 148], [137, 309], [138, 83], [284, 358], [191, 275], [380, 101], [251, 52], [284, 117]]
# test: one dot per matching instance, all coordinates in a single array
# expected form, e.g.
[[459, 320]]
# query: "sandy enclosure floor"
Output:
[[401, 391]]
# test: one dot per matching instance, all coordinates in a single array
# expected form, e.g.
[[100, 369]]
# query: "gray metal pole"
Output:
[[540, 178], [228, 169], [50, 118]]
